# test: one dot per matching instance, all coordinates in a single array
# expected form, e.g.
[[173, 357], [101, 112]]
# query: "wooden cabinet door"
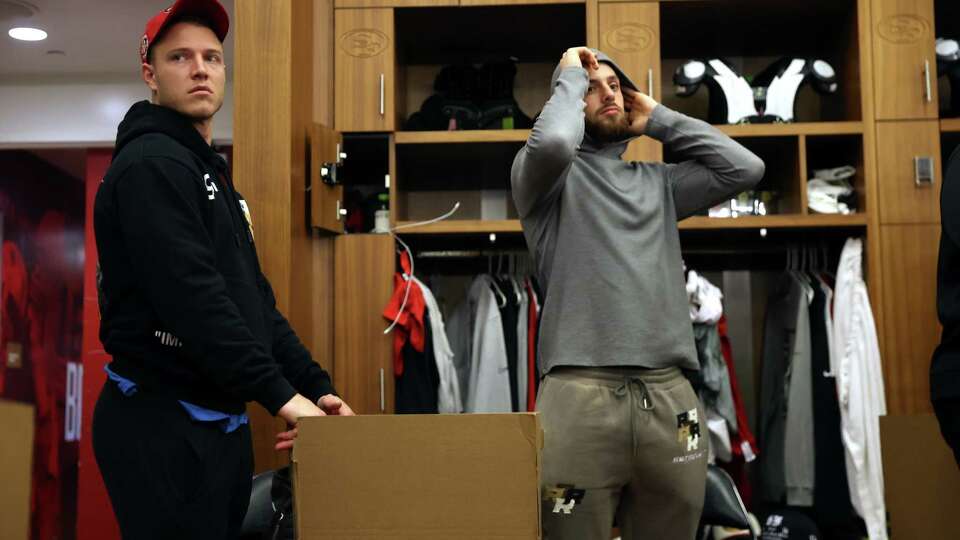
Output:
[[365, 70], [326, 198], [630, 34], [911, 328], [902, 200], [904, 59], [363, 275], [394, 3]]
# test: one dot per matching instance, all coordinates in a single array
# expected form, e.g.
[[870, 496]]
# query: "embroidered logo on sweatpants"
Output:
[[688, 429], [564, 497]]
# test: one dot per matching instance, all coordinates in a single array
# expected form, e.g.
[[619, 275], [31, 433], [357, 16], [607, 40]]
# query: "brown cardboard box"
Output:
[[471, 476], [16, 464], [921, 478]]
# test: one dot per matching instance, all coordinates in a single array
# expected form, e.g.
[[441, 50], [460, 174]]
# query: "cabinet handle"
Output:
[[382, 96], [650, 83], [383, 408], [926, 81]]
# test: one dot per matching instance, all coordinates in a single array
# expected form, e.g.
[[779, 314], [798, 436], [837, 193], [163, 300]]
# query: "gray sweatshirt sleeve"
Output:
[[716, 169], [552, 144]]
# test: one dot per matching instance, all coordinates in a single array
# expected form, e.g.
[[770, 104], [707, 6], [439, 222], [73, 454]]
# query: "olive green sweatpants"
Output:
[[629, 443]]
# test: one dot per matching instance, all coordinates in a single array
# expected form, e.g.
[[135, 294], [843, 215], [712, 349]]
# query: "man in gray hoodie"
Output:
[[623, 427]]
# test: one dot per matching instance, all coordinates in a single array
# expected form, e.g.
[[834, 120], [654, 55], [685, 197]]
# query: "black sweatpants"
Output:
[[948, 414], [168, 476]]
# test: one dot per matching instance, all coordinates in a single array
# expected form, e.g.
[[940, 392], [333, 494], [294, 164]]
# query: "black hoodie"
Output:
[[185, 309], [945, 367]]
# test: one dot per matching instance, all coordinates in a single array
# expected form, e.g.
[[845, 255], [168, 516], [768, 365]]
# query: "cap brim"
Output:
[[211, 10]]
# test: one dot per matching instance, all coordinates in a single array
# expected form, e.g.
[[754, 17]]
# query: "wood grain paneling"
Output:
[[362, 352], [903, 45], [274, 97], [395, 3], [630, 34], [593, 23], [911, 328], [262, 162], [323, 47], [870, 186], [515, 2], [364, 56], [323, 298], [901, 199]]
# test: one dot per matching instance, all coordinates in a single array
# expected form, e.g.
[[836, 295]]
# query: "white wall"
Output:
[[79, 111]]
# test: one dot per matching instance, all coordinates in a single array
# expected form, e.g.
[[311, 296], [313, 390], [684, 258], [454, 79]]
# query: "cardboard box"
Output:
[[16, 465], [468, 476], [921, 478]]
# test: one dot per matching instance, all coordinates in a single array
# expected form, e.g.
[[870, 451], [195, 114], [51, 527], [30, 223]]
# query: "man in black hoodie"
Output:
[[945, 365], [189, 318]]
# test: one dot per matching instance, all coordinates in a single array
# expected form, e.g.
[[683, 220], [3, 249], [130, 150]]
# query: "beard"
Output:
[[607, 129]]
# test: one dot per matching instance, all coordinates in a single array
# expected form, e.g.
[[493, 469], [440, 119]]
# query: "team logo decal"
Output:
[[246, 214]]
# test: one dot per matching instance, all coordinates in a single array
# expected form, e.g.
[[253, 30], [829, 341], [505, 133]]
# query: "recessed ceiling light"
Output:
[[27, 34]]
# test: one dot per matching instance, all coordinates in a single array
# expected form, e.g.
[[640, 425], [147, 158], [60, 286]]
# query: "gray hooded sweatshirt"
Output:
[[603, 231]]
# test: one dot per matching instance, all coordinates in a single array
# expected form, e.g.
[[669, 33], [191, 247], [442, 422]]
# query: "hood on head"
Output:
[[588, 144], [601, 57]]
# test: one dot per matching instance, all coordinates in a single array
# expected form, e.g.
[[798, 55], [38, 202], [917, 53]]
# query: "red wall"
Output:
[[95, 519], [42, 324]]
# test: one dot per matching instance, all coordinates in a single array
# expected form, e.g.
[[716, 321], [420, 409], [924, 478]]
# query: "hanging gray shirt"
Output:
[[603, 231], [779, 344], [798, 445]]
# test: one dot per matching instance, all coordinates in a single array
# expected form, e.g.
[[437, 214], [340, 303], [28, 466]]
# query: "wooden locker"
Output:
[[363, 367], [904, 59], [630, 34], [911, 328], [365, 70], [902, 199]]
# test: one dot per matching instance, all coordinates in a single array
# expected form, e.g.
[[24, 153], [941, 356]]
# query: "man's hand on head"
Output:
[[639, 107], [579, 57]]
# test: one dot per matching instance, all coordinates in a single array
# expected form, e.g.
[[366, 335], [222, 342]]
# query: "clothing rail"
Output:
[[468, 254]]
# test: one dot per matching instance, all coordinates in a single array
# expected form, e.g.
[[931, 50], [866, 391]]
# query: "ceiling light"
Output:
[[27, 34]]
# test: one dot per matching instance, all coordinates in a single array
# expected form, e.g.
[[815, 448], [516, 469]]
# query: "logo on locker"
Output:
[[364, 42], [630, 37], [903, 29]]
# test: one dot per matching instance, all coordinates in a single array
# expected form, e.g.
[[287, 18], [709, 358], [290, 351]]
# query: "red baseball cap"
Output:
[[211, 10]]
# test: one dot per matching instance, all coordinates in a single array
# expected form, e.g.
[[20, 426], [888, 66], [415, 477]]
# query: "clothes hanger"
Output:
[[392, 232], [803, 271], [828, 270], [516, 289], [501, 298], [497, 291]]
